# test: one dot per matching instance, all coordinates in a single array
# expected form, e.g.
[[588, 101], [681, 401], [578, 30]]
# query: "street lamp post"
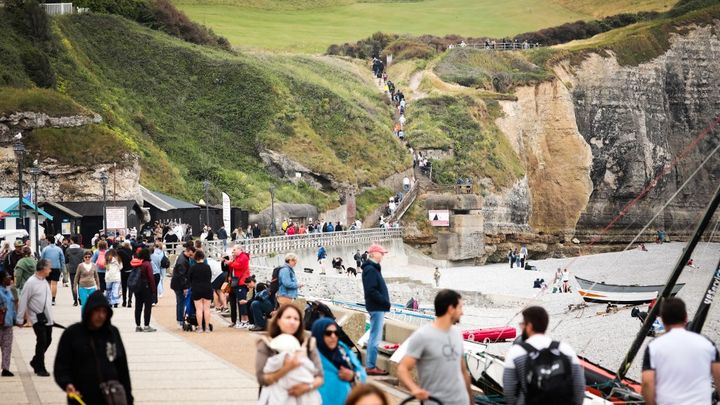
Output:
[[206, 187], [35, 173], [104, 181], [272, 210], [19, 150]]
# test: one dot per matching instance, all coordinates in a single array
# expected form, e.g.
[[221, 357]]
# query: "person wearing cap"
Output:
[[14, 257], [24, 268], [377, 302]]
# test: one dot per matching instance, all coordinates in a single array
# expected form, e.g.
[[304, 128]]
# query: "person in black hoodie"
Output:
[[125, 253], [73, 257], [377, 302], [89, 348]]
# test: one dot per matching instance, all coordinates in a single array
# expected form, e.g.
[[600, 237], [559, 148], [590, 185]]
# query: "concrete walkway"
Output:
[[164, 367]]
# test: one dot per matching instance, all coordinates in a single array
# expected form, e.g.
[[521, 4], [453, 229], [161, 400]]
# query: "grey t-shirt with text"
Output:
[[438, 354]]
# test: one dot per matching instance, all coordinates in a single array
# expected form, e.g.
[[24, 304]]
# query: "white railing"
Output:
[[497, 46], [294, 243], [58, 8]]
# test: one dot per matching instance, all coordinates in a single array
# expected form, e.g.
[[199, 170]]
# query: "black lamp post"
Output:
[[19, 150], [35, 173], [206, 187], [104, 181], [272, 210]]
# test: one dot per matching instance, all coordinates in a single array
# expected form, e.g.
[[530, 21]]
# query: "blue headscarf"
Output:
[[336, 356]]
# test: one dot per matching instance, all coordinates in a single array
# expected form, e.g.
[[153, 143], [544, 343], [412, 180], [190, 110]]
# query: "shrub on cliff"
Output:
[[365, 48]]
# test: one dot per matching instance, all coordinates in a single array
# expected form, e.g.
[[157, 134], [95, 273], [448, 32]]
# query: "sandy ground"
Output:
[[603, 338]]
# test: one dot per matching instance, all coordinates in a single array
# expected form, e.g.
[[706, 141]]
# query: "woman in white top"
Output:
[[112, 278]]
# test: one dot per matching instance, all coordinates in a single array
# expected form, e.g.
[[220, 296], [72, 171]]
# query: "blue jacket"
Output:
[[155, 259], [334, 391], [8, 301], [376, 292], [321, 254], [55, 254], [288, 282]]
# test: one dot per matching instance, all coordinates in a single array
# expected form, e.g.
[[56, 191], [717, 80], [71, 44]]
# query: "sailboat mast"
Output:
[[707, 299], [679, 267]]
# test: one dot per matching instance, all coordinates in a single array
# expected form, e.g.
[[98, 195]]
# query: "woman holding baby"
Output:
[[288, 366]]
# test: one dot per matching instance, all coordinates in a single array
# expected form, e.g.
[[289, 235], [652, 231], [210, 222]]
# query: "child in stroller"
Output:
[[191, 322]]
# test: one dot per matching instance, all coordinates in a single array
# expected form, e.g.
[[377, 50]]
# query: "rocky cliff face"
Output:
[[57, 181], [595, 138], [637, 121]]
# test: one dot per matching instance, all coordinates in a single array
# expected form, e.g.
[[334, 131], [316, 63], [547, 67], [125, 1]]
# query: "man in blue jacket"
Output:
[[55, 255], [377, 302]]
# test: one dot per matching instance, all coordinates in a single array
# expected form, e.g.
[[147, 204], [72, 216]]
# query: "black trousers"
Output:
[[126, 295], [72, 285], [43, 337], [235, 303], [157, 282], [143, 303], [101, 276]]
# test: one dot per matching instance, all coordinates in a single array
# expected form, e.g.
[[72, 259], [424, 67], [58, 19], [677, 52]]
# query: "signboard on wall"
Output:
[[66, 228], [116, 217], [439, 217]]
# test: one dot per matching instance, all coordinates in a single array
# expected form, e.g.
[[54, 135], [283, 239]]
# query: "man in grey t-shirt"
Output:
[[437, 350]]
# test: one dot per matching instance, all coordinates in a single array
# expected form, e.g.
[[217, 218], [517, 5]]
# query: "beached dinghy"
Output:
[[487, 335], [586, 284], [606, 297]]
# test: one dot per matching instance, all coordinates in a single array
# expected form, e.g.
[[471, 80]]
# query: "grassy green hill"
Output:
[[193, 112], [284, 25]]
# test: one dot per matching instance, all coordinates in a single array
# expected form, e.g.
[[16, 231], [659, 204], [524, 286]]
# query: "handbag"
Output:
[[226, 289], [112, 391]]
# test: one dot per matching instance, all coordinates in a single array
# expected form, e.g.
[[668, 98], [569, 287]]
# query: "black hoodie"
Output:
[[75, 362]]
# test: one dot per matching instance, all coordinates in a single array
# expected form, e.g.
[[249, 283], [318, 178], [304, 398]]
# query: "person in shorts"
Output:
[[54, 254]]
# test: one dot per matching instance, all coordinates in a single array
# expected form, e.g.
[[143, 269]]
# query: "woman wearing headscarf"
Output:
[[342, 369]]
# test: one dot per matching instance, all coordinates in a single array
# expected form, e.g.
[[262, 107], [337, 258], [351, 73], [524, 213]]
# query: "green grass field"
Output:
[[265, 24]]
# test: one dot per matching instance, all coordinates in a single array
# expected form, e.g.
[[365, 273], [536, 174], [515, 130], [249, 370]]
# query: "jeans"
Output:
[[113, 292], [259, 309], [179, 305], [43, 336], [143, 298], [377, 318]]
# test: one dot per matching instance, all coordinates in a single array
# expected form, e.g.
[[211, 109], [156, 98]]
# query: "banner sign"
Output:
[[226, 211], [116, 217]]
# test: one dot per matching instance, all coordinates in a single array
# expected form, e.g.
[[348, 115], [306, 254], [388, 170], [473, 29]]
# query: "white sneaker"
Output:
[[239, 325], [249, 326]]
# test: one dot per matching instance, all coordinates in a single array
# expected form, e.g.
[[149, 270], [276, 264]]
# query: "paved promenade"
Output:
[[166, 366]]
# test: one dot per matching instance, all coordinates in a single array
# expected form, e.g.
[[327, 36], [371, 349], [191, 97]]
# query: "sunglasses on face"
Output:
[[87, 257], [329, 333]]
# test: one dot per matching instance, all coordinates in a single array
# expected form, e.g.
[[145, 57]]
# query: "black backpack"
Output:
[[274, 282], [164, 262], [548, 377], [135, 280]]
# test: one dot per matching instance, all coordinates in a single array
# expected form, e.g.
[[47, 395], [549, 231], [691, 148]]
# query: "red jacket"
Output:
[[241, 267]]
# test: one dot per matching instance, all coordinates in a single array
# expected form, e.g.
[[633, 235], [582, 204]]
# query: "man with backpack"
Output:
[[437, 351], [539, 370]]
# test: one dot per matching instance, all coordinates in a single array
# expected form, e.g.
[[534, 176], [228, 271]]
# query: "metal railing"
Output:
[[498, 46], [293, 243], [57, 8], [406, 202]]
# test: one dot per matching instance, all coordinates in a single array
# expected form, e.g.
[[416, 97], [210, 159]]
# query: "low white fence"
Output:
[[57, 8]]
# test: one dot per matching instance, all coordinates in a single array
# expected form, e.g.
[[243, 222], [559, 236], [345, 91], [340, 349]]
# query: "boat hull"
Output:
[[488, 335], [607, 297], [586, 284]]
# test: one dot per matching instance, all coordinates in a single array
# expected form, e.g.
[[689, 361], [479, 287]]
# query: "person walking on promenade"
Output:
[[239, 271], [54, 254], [437, 351], [113, 278], [538, 351], [73, 257], [342, 369], [157, 257], [86, 279], [8, 305], [125, 254], [36, 303], [13, 257], [679, 366], [288, 284], [200, 276], [180, 283], [287, 321], [24, 268], [145, 292], [377, 302], [321, 258], [99, 260], [90, 353]]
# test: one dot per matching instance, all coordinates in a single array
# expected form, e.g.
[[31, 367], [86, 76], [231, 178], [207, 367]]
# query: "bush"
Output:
[[38, 68], [365, 48], [29, 19], [405, 49]]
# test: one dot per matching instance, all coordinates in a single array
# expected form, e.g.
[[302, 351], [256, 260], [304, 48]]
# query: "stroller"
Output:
[[190, 322]]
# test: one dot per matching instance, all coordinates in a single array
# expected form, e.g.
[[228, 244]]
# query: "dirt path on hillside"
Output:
[[414, 85]]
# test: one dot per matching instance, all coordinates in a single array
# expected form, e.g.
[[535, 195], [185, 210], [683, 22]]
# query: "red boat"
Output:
[[488, 335], [600, 381]]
